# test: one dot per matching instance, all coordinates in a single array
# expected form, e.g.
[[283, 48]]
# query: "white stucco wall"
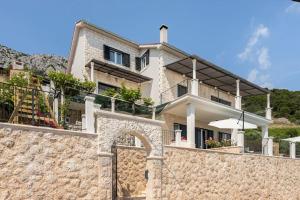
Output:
[[151, 88], [79, 58]]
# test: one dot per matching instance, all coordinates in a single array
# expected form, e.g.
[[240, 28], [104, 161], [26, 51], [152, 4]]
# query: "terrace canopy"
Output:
[[118, 71], [215, 76]]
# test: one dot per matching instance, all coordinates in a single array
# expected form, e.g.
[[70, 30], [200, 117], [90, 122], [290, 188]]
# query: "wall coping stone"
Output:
[[128, 117], [237, 154], [131, 147], [39, 129]]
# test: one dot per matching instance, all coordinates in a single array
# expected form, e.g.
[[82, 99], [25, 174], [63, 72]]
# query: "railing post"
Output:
[[32, 106], [153, 112], [178, 137], [160, 98], [113, 104], [89, 114]]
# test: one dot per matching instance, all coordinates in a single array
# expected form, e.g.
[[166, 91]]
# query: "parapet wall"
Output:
[[203, 174]]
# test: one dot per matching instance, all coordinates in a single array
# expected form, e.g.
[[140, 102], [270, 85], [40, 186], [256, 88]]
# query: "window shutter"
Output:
[[147, 57], [106, 52], [138, 63], [126, 60]]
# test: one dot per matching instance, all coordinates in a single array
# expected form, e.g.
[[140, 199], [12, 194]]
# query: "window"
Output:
[[142, 62], [222, 101], [181, 90], [116, 56], [102, 87]]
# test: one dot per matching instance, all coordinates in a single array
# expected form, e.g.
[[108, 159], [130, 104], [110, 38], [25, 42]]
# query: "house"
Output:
[[194, 91]]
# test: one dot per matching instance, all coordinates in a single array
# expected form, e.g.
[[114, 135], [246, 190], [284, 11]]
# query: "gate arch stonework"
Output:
[[111, 125]]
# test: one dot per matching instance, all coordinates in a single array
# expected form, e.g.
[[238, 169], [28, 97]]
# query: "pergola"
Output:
[[205, 72]]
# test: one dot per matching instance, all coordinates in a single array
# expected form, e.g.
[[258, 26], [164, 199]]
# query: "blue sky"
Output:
[[257, 39]]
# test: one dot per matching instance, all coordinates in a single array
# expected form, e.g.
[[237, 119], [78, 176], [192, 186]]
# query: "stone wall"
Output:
[[203, 174], [44, 165], [131, 166]]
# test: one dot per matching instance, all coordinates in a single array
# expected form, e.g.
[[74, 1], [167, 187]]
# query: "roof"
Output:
[[118, 71], [83, 22], [215, 76]]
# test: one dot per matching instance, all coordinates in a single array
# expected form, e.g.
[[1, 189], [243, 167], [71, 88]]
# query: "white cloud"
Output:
[[261, 32], [264, 58], [253, 75], [260, 78], [293, 8]]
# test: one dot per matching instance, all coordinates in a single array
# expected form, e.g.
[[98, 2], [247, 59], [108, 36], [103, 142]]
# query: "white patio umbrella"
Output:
[[232, 123], [293, 139]]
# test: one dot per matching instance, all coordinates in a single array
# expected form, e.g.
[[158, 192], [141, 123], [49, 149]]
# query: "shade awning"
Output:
[[232, 123], [215, 76], [118, 71], [293, 139]]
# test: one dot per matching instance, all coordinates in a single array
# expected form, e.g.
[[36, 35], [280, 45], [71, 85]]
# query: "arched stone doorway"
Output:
[[109, 127]]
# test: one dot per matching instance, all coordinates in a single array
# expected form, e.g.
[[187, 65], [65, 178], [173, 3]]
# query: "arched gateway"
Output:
[[111, 125]]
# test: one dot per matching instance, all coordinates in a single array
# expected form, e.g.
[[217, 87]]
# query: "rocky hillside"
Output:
[[39, 63]]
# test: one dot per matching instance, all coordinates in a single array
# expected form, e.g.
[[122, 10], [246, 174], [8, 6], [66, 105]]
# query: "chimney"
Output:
[[163, 34]]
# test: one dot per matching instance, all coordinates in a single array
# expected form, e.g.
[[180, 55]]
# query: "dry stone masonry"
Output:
[[39, 165]]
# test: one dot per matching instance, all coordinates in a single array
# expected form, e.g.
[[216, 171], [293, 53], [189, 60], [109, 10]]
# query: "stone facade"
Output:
[[203, 174], [44, 165]]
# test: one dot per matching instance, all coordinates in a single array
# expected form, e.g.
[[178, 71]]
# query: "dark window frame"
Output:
[[219, 100], [180, 89], [125, 58], [107, 87]]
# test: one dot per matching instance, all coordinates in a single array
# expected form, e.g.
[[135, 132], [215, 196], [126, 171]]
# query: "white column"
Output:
[[178, 137], [113, 104], [89, 114], [83, 121], [267, 142], [238, 97], [234, 135], [153, 112], [92, 71], [269, 109], [62, 102], [194, 83], [292, 150], [240, 139], [270, 146], [190, 121]]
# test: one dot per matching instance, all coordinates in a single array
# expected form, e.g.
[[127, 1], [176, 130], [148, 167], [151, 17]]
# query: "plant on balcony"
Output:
[[148, 101], [211, 143], [69, 86], [225, 143]]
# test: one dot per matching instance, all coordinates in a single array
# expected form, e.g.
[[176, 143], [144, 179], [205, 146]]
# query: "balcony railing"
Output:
[[121, 106], [208, 92]]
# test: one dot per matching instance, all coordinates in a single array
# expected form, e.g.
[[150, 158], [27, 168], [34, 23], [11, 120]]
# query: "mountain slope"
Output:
[[38, 63], [285, 104]]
